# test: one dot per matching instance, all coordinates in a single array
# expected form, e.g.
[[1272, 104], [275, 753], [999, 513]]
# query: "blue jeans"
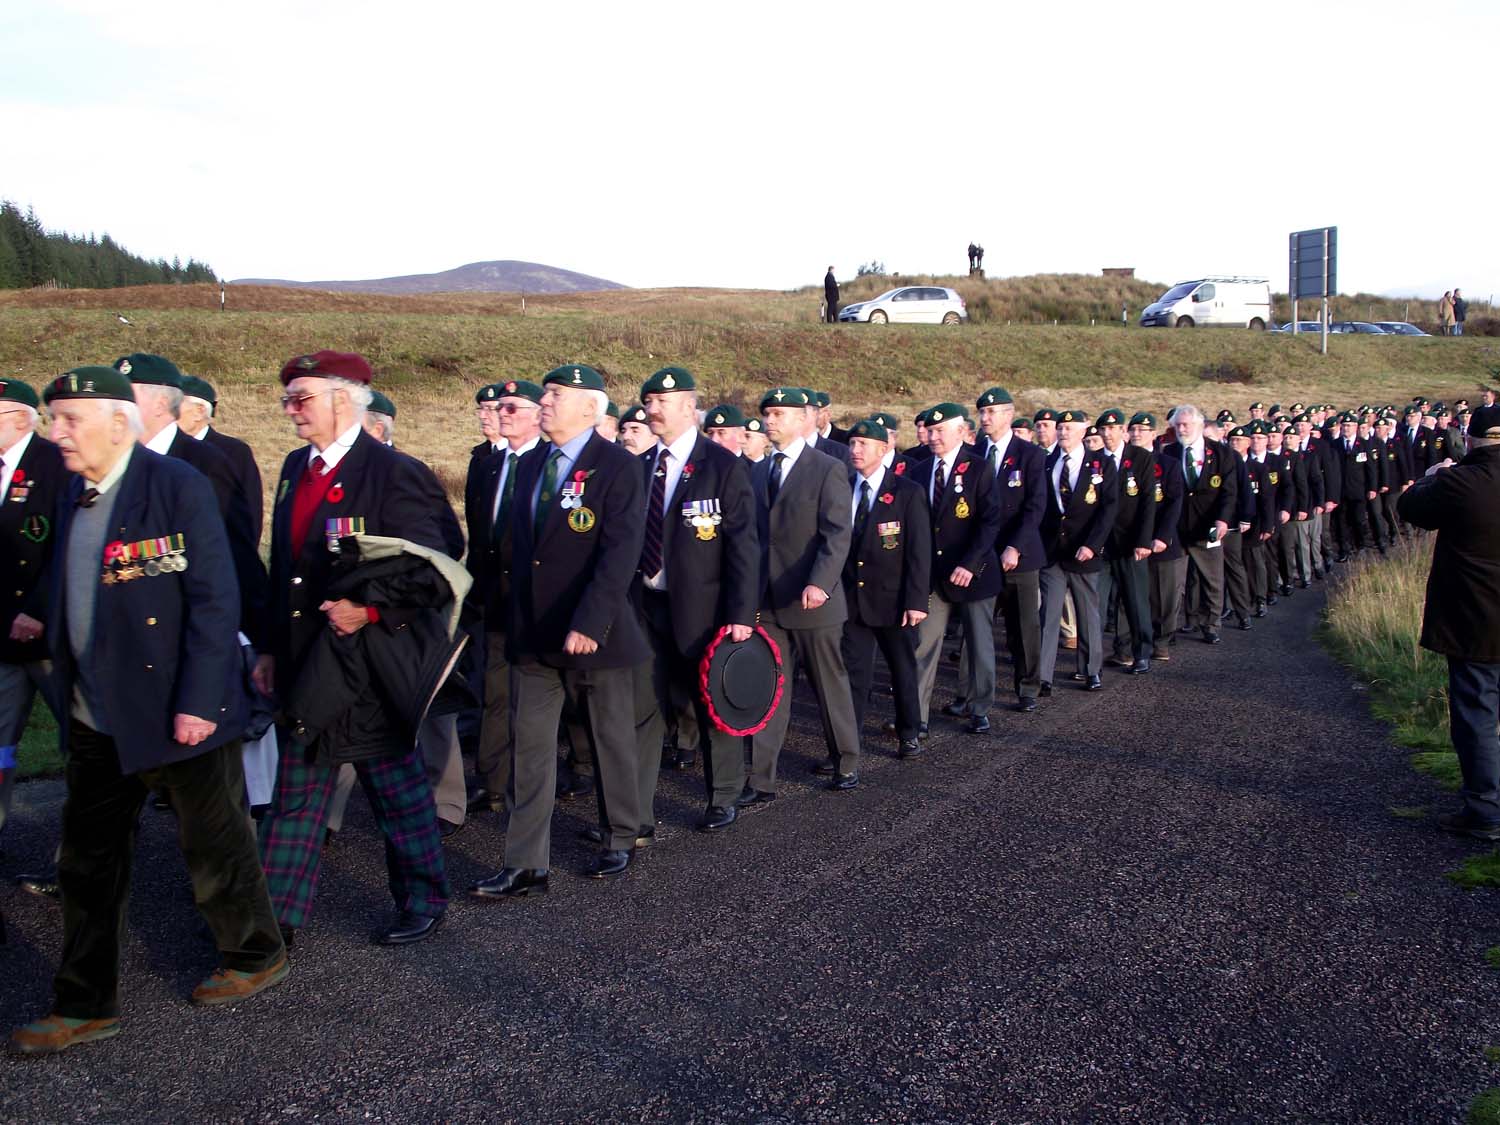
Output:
[[1474, 714]]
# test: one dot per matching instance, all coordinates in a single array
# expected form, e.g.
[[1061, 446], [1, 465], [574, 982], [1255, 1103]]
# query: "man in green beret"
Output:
[[1129, 546], [200, 405], [380, 418], [635, 430], [817, 410], [757, 442], [826, 430], [1045, 424], [725, 426], [609, 425]]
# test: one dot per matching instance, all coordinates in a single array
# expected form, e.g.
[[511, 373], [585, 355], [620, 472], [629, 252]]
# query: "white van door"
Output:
[[1206, 304]]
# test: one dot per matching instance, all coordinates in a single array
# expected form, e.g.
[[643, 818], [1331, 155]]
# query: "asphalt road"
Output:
[[1180, 899]]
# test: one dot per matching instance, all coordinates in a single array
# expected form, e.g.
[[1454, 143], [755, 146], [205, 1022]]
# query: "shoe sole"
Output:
[[87, 1037], [217, 998], [382, 940], [522, 893]]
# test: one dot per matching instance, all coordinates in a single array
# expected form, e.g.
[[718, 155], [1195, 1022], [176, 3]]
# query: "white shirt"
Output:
[[10, 460], [200, 435], [789, 456], [163, 439], [335, 452], [888, 460], [1118, 455], [998, 449], [669, 459], [1193, 453], [1073, 463], [947, 461], [872, 478], [506, 451]]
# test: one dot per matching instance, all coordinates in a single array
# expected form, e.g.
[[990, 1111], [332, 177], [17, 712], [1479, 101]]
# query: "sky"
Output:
[[663, 144]]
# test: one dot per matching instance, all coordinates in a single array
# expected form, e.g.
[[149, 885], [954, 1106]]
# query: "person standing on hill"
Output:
[[1461, 618], [1460, 312], [1445, 314], [830, 297]]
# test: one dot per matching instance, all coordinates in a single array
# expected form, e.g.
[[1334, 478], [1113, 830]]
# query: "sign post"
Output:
[[1313, 272]]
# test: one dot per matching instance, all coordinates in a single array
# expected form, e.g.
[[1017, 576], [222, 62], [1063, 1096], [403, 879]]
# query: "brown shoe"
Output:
[[58, 1033], [1070, 643], [230, 986]]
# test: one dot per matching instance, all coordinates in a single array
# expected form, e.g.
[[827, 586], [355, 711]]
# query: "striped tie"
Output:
[[651, 549]]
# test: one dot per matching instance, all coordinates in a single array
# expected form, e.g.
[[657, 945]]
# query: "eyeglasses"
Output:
[[296, 401], [503, 407]]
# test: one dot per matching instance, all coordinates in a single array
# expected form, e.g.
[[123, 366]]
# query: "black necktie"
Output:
[[1064, 489], [507, 493], [864, 510], [939, 482], [651, 549], [773, 485], [87, 497]]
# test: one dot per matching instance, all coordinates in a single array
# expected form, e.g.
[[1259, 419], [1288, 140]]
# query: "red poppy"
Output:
[[580, 475], [336, 493], [18, 477], [114, 551], [1158, 472], [961, 468], [1009, 461], [901, 468], [689, 469], [887, 498], [1125, 464]]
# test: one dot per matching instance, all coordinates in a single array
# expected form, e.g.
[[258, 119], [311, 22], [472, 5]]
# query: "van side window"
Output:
[[1205, 293]]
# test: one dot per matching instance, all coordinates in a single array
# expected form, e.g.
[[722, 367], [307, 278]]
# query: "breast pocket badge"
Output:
[[1131, 488], [704, 517], [961, 509], [890, 535]]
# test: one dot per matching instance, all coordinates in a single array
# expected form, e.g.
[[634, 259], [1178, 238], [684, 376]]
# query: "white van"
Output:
[[1233, 302]]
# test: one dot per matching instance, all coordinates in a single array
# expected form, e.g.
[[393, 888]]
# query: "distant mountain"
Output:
[[476, 277]]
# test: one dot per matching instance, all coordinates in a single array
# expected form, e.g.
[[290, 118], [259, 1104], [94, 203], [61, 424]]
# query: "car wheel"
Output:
[[950, 318], [878, 317], [1257, 325], [1184, 322]]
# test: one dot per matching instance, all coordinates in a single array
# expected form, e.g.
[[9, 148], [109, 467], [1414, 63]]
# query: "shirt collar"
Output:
[[791, 452], [682, 448], [574, 445], [525, 449], [200, 435], [13, 455], [341, 445], [163, 439], [112, 477], [889, 459]]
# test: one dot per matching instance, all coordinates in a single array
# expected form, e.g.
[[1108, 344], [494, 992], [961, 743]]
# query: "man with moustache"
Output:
[[886, 580], [635, 430], [697, 573], [577, 530], [725, 426], [1129, 545], [1210, 496]]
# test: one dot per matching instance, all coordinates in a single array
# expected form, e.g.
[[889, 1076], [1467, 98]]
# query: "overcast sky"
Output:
[[751, 145]]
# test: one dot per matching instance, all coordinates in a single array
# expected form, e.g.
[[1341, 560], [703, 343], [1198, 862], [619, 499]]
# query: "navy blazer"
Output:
[[1167, 474], [166, 644], [886, 575], [831, 448], [27, 537], [1021, 485], [1090, 514], [246, 476], [1213, 498], [966, 541]]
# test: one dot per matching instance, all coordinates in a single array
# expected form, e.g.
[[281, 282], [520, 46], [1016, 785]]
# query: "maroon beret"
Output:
[[327, 365]]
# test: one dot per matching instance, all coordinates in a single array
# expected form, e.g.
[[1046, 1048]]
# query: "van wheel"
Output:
[[1184, 322], [878, 317], [1257, 325], [950, 318]]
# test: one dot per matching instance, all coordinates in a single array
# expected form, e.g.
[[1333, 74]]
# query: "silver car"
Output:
[[911, 304]]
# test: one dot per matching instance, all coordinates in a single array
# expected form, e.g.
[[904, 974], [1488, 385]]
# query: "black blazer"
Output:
[[374, 483], [716, 581], [1021, 486], [1358, 469], [1283, 479], [966, 540], [1262, 510], [837, 433], [28, 516], [1090, 514], [1329, 465], [833, 449], [578, 581], [1168, 493], [888, 574], [1215, 497], [1135, 515], [247, 481]]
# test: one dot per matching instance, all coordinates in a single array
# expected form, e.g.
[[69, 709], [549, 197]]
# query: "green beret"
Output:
[[90, 382], [1092, 431], [1046, 414], [887, 420], [754, 426], [995, 396], [1439, 410], [381, 405], [1303, 417], [783, 396], [819, 398], [1257, 406], [1239, 432], [1225, 418], [200, 388], [1112, 417], [946, 412], [636, 413], [1275, 408], [1298, 408], [869, 428], [669, 379], [1072, 416], [1021, 423], [922, 417], [143, 367], [575, 375], [1143, 418], [13, 390], [612, 411], [511, 388], [724, 415], [1460, 403]]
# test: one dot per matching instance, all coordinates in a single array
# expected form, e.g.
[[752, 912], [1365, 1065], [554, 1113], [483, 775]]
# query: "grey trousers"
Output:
[[821, 652], [1236, 576], [19, 685], [438, 740], [1085, 590], [1295, 544], [976, 684], [1131, 582], [496, 739], [603, 695], [1207, 566], [1168, 577]]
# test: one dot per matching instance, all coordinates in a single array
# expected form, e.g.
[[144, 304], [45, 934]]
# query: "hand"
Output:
[[1370, 495], [191, 730], [1223, 528], [1142, 554], [25, 628], [1157, 546], [1330, 506], [1385, 488], [1083, 554], [961, 577], [1284, 517], [1010, 558], [1264, 535], [812, 597], [264, 675], [1301, 517], [577, 644], [1244, 527], [740, 633], [913, 617], [346, 617]]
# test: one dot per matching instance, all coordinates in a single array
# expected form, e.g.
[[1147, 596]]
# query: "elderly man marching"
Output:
[[344, 483], [143, 639], [699, 571], [576, 534]]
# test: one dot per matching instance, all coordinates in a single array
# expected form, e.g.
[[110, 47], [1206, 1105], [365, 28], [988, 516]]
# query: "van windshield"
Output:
[[1178, 292]]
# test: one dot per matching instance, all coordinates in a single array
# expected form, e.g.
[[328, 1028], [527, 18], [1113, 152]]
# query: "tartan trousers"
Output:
[[291, 835]]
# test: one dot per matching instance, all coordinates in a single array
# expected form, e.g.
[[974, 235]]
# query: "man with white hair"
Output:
[[1209, 499], [200, 405], [144, 645]]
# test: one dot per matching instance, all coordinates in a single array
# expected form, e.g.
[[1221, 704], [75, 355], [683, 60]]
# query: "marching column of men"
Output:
[[617, 563]]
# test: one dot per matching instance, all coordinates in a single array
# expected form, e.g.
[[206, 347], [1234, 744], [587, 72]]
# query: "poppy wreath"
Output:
[[707, 696]]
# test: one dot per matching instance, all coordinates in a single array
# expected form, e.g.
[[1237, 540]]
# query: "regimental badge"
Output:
[[340, 526], [962, 508], [1215, 480], [1131, 488], [1091, 496], [1275, 476], [704, 517], [890, 535], [1160, 495], [667, 381], [36, 528], [581, 520], [577, 381], [307, 363], [124, 367]]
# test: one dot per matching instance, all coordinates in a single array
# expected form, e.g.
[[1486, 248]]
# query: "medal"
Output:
[[1160, 496], [1091, 497], [705, 528], [962, 509], [581, 520], [1215, 481], [1131, 488], [35, 528]]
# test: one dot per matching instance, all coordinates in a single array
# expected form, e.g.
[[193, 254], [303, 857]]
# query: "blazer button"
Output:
[[940, 554], [861, 562], [149, 667], [860, 583], [297, 581], [23, 562], [296, 613], [150, 621]]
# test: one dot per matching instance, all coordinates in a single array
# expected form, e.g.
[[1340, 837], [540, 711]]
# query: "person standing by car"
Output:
[[1460, 312], [1461, 618], [830, 297]]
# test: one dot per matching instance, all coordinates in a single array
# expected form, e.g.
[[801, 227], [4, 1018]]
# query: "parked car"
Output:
[[1302, 326], [1399, 328], [1232, 302], [911, 304], [1356, 328]]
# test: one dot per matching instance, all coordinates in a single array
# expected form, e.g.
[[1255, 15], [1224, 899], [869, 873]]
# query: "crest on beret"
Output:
[[577, 376], [510, 388], [307, 363], [489, 392], [124, 367], [667, 381], [936, 416], [718, 419], [779, 395]]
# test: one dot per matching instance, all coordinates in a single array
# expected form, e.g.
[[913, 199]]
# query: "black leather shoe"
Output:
[[1141, 667], [1260, 611], [753, 797], [843, 782], [1027, 704], [512, 882], [575, 786], [684, 760], [44, 886], [958, 709], [922, 730], [1094, 684], [978, 724], [644, 838], [1271, 599], [609, 864], [1210, 637], [485, 801], [1045, 689], [1303, 584], [718, 818], [910, 748], [825, 769], [408, 928], [448, 829], [1244, 624]]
